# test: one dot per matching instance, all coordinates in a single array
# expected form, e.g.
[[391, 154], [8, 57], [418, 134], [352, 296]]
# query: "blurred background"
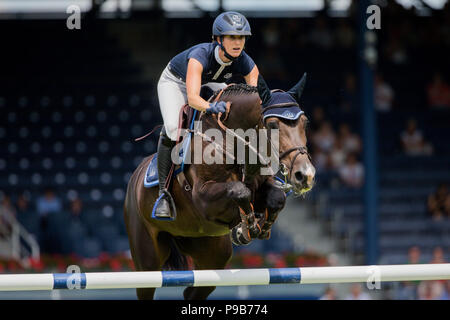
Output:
[[73, 101]]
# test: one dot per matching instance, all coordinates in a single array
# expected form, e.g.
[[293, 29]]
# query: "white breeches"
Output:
[[172, 97]]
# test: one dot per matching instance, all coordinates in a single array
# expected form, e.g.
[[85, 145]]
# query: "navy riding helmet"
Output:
[[230, 23]]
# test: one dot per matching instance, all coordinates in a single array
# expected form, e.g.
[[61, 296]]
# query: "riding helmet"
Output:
[[231, 23]]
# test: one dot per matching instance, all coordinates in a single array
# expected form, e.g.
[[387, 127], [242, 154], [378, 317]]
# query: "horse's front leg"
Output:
[[249, 228], [228, 202], [271, 200]]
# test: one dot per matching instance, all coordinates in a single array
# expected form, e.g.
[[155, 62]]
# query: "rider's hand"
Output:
[[217, 107]]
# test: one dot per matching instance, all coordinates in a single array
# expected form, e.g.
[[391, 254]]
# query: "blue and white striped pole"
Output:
[[232, 277]]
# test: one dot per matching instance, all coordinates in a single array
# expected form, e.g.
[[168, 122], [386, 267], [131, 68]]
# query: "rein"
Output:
[[231, 132], [286, 170]]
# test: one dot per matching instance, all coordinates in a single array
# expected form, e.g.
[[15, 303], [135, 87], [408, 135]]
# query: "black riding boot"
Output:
[[165, 145]]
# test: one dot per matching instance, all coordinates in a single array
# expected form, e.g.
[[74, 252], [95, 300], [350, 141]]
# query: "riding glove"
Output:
[[217, 107]]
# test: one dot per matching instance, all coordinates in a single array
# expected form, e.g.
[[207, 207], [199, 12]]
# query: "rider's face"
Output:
[[234, 45]]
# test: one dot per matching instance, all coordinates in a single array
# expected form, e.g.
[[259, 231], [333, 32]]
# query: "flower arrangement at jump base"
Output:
[[277, 260], [123, 262], [57, 263]]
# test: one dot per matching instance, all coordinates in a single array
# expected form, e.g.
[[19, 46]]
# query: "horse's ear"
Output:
[[263, 90], [297, 90]]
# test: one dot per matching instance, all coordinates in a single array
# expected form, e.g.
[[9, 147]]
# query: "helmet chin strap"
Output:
[[227, 55]]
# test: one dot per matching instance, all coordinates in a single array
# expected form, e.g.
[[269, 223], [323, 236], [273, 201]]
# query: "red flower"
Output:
[[280, 263], [36, 264], [62, 267], [252, 261], [115, 265], [300, 262], [12, 265], [104, 256]]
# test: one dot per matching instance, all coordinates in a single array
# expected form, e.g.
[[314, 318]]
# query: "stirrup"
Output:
[[165, 195]]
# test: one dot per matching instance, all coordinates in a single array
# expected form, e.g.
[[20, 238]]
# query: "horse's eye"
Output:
[[272, 125], [306, 123]]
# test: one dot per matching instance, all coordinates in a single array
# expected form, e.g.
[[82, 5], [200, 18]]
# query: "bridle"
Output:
[[300, 150], [286, 170]]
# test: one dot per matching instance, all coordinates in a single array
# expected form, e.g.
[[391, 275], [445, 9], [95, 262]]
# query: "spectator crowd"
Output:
[[438, 203], [48, 204], [406, 290], [337, 151], [424, 290]]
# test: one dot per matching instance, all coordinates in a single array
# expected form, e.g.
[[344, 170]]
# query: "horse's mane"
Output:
[[236, 89]]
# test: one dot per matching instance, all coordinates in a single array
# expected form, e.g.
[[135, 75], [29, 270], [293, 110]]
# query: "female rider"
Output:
[[181, 80]]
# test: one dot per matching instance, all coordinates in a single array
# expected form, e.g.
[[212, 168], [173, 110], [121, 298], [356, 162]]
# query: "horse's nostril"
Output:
[[299, 176]]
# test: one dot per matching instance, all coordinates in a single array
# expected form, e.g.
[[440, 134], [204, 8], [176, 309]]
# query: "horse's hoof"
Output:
[[264, 235], [260, 216], [240, 236], [255, 230]]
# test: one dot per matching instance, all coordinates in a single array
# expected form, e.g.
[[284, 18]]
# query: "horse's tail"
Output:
[[176, 260]]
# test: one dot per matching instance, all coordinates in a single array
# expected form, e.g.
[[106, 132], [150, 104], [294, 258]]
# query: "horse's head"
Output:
[[281, 111]]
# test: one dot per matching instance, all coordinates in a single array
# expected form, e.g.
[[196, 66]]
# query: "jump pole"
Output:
[[230, 277]]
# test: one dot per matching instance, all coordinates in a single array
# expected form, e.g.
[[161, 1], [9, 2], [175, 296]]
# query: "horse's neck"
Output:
[[223, 172]]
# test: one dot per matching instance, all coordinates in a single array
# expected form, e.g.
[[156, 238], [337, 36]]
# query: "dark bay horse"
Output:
[[219, 199]]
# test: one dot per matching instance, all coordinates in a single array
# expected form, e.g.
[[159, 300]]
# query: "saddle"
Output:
[[187, 118]]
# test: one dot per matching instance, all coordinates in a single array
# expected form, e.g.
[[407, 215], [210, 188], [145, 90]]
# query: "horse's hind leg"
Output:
[[145, 253], [207, 253]]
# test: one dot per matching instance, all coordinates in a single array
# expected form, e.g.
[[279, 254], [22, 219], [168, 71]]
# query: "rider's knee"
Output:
[[166, 140]]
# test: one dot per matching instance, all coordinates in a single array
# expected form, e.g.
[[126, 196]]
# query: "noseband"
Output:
[[300, 150]]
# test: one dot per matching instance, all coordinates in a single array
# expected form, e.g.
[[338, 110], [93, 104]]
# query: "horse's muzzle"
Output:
[[304, 179]]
